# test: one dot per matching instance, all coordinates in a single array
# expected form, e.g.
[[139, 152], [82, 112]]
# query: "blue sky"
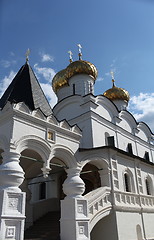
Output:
[[115, 35]]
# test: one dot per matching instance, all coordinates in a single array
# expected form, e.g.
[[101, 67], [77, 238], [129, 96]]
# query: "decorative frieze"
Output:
[[115, 173]]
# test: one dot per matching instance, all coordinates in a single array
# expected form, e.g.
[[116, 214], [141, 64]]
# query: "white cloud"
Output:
[[6, 63], [142, 107], [47, 89], [4, 83], [12, 54], [113, 62], [46, 57], [48, 74], [100, 79], [107, 74]]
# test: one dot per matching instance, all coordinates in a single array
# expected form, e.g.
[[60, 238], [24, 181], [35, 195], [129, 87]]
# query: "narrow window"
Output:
[[147, 186], [42, 191], [129, 148], [146, 156], [110, 141], [73, 89], [91, 88], [127, 182]]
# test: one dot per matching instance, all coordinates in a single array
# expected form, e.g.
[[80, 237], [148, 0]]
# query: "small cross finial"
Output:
[[80, 53], [70, 55], [27, 55], [112, 75], [113, 80]]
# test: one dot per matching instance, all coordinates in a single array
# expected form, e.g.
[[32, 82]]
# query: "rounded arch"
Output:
[[102, 165], [96, 160], [142, 126], [149, 185], [91, 177], [34, 143], [65, 154], [129, 118], [108, 105], [128, 180]]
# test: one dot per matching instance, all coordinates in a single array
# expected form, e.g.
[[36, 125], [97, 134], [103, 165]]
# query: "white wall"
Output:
[[127, 225]]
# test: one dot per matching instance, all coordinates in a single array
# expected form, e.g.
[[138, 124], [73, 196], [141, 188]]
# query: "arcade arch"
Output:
[[95, 173], [35, 156]]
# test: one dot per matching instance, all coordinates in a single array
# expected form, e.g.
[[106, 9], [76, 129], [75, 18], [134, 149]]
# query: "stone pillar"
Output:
[[12, 200], [105, 177], [74, 209]]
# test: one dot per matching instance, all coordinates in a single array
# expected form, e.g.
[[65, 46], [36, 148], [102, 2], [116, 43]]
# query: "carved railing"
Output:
[[131, 200], [99, 204]]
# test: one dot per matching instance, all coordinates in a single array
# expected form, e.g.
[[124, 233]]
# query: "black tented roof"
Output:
[[26, 88]]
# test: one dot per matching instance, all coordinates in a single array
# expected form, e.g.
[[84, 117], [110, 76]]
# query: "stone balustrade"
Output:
[[99, 204], [132, 200]]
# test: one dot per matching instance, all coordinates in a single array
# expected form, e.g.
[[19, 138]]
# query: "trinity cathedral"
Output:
[[83, 170]]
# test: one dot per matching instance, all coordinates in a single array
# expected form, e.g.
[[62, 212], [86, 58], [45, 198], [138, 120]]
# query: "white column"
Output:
[[12, 200], [74, 210]]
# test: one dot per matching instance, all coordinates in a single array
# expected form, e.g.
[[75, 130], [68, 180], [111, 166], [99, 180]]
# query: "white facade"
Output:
[[89, 160]]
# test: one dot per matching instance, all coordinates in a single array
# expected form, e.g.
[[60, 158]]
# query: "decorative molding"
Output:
[[38, 113], [10, 232], [64, 124], [21, 106]]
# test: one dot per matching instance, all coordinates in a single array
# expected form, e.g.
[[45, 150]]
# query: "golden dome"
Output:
[[59, 80], [116, 93], [81, 66]]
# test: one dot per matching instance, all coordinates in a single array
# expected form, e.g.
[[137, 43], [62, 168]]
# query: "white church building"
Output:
[[83, 170]]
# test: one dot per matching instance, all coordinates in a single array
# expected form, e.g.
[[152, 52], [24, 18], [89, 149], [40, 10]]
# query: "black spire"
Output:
[[26, 88]]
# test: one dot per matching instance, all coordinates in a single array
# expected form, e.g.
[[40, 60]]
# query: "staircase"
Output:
[[45, 228], [99, 204]]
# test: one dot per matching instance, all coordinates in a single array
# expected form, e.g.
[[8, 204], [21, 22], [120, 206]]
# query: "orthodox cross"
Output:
[[112, 75], [70, 55], [80, 52], [27, 55]]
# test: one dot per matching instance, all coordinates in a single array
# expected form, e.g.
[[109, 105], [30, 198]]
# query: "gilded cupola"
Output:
[[118, 95], [61, 79], [81, 66]]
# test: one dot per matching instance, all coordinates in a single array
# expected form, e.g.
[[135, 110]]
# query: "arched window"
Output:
[[128, 179], [42, 191], [73, 89], [146, 156], [127, 182], [149, 185], [129, 148]]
